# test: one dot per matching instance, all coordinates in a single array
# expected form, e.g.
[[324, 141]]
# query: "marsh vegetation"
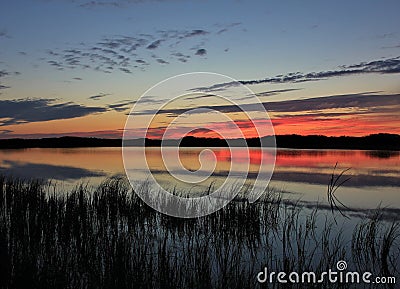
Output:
[[107, 237]]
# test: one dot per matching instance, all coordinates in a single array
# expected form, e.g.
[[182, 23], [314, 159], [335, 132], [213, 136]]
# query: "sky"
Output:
[[77, 67]]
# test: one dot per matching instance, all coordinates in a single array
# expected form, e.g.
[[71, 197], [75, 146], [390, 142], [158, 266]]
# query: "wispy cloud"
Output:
[[162, 61], [110, 4], [226, 28], [133, 52], [154, 44], [4, 73], [360, 103], [385, 66], [201, 52], [3, 33], [5, 132], [35, 110], [99, 96], [122, 106]]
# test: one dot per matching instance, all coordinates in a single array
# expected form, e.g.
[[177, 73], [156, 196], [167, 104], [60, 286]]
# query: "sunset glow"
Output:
[[332, 76]]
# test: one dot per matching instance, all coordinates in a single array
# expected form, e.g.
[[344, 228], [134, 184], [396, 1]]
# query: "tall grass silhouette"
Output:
[[107, 237]]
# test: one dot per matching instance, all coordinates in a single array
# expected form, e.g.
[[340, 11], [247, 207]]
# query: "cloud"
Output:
[[269, 93], [181, 57], [162, 61], [385, 66], [201, 52], [110, 4], [360, 103], [36, 110], [129, 52], [94, 4], [227, 27], [5, 131], [3, 33], [154, 44], [98, 96], [126, 70], [196, 32], [4, 73], [275, 92], [122, 106]]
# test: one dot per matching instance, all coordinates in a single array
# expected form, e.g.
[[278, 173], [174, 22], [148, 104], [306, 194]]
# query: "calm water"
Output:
[[301, 174]]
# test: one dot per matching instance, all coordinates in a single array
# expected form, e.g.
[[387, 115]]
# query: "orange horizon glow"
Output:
[[111, 125]]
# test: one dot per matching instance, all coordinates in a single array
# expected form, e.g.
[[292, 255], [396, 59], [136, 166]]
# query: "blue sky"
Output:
[[57, 55]]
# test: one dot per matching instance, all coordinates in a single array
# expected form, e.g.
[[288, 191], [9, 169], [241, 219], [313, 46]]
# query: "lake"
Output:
[[300, 174]]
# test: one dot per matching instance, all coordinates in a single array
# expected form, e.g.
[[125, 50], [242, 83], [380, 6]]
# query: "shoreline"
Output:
[[381, 142]]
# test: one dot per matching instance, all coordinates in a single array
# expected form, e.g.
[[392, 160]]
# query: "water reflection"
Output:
[[375, 175], [46, 171]]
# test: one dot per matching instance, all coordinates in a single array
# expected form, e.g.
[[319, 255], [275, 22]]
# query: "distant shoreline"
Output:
[[370, 142]]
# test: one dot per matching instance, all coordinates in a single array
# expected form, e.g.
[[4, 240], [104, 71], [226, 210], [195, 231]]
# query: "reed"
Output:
[[107, 237]]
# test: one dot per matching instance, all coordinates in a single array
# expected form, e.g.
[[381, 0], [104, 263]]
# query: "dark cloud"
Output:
[[196, 32], [110, 4], [154, 44], [98, 96], [122, 106], [359, 103], [56, 64], [5, 131], [365, 101], [227, 27], [201, 52], [94, 4], [4, 73], [122, 52], [269, 93], [201, 96], [3, 33], [181, 57], [77, 78], [36, 110], [276, 91], [126, 70], [161, 61], [385, 66]]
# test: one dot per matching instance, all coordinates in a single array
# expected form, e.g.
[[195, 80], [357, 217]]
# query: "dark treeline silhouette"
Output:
[[60, 142], [380, 141]]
